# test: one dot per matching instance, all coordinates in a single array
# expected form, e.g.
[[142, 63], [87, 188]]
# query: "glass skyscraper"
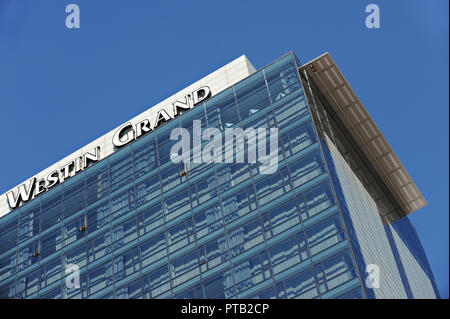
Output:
[[139, 226]]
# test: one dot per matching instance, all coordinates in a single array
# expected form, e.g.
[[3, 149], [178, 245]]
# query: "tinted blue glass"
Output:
[[123, 203], [208, 221], [214, 288], [245, 237], [177, 204], [163, 141], [98, 217], [50, 272], [325, 234], [150, 218], [153, 249], [252, 95], [301, 285], [29, 221], [281, 218], [144, 158], [97, 182], [126, 264], [282, 78], [221, 110], [157, 282], [147, 190]]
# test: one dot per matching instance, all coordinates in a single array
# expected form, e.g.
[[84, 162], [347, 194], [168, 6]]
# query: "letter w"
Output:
[[24, 193]]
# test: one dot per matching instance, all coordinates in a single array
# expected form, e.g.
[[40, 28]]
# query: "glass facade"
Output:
[[140, 226]]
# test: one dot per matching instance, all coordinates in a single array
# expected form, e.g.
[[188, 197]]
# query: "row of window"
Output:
[[308, 284], [245, 275], [267, 190], [201, 259], [312, 283], [201, 224]]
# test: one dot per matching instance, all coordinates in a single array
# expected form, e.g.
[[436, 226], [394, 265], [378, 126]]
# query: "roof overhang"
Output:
[[354, 116]]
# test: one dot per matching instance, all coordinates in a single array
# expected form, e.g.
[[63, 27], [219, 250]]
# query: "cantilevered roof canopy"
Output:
[[357, 121]]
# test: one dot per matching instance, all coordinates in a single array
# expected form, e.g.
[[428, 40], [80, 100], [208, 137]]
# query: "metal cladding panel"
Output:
[[357, 121]]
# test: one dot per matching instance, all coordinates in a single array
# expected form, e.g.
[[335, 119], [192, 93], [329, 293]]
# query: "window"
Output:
[[184, 268], [266, 294], [293, 109], [123, 203], [239, 204], [126, 264], [281, 76], [180, 235], [50, 272], [193, 293], [208, 221], [147, 190], [215, 287], [54, 294], [144, 158], [177, 204], [163, 142], [130, 291], [306, 169], [214, 253], [301, 286], [244, 237], [354, 294], [317, 200], [76, 256], [27, 285], [252, 272], [272, 187], [51, 208], [97, 182], [100, 277], [203, 190], [73, 203], [7, 292], [298, 139], [325, 234], [29, 222], [99, 246], [252, 95], [264, 119], [221, 110], [153, 249], [170, 177], [284, 255], [280, 218], [124, 233], [28, 255], [50, 243], [231, 175], [8, 234], [335, 271], [121, 169], [150, 218], [157, 282], [98, 217], [7, 266]]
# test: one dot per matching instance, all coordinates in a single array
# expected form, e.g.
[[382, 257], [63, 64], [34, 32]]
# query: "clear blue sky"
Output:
[[60, 89]]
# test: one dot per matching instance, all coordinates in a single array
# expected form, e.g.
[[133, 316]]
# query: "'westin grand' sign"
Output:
[[124, 135]]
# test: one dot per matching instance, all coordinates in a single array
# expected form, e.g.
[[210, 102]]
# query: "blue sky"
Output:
[[60, 89]]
